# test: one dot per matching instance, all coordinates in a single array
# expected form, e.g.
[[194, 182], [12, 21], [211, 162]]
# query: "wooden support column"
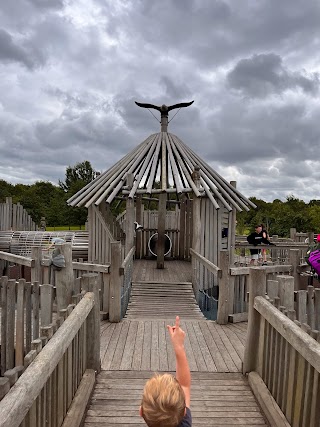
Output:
[[115, 283], [257, 287], [129, 225], [130, 218], [223, 303], [93, 323], [294, 260], [162, 211], [196, 213], [182, 234], [139, 220], [232, 229], [64, 277]]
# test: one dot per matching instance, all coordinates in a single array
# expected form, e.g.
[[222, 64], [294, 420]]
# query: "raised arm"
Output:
[[183, 375]]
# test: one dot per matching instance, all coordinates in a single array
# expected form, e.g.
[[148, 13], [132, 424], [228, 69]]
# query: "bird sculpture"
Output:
[[164, 110]]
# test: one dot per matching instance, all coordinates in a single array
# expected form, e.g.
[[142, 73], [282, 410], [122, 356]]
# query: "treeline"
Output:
[[43, 199], [48, 200], [278, 216]]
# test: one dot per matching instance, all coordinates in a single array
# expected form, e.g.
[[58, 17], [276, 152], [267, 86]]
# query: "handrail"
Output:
[[296, 337], [46, 262], [241, 271], [127, 260], [209, 265], [86, 266], [17, 402], [277, 245], [19, 259]]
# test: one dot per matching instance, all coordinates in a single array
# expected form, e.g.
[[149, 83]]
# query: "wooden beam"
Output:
[[17, 259], [77, 410], [267, 403], [208, 264], [161, 229]]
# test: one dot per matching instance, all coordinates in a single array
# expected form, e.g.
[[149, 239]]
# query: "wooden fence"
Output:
[[282, 351], [15, 217], [59, 371], [222, 291]]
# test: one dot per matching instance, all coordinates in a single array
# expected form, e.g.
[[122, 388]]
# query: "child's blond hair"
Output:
[[163, 401]]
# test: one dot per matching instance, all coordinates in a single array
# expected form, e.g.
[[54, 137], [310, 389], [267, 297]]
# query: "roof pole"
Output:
[[164, 120]]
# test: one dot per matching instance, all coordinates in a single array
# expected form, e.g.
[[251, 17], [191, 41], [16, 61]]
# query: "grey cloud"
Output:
[[47, 4], [11, 52], [266, 74]]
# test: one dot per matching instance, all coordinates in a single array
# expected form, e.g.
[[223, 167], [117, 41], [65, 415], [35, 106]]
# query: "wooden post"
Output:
[[232, 229], [64, 277], [129, 225], [93, 324], [129, 217], [182, 231], [115, 283], [293, 234], [36, 270], [139, 220], [286, 291], [223, 303], [196, 234], [162, 211], [294, 260], [257, 287]]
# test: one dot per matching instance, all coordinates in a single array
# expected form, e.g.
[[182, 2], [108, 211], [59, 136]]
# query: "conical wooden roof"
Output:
[[163, 158]]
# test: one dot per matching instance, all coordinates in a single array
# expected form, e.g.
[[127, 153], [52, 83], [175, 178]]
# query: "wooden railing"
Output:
[[120, 281], [281, 350], [205, 284], [222, 292], [57, 379], [43, 272]]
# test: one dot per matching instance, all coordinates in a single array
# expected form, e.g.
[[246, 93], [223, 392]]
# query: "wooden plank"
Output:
[[3, 286], [266, 401], [19, 353], [11, 284], [17, 259], [77, 409]]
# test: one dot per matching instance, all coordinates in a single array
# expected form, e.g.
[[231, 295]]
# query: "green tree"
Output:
[[76, 178]]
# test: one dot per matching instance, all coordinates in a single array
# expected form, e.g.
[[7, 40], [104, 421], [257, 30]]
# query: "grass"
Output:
[[66, 228]]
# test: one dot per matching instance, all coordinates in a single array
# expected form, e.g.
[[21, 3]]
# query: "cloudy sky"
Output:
[[70, 71]]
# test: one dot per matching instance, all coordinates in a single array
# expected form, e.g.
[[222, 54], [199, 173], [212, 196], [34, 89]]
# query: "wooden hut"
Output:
[[165, 171]]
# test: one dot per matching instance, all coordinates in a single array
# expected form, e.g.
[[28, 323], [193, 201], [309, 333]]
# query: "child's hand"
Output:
[[177, 335]]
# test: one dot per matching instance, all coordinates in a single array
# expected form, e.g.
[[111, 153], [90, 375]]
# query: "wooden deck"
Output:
[[138, 346], [174, 271]]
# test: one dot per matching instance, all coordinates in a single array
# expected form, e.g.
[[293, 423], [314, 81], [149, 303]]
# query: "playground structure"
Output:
[[109, 313]]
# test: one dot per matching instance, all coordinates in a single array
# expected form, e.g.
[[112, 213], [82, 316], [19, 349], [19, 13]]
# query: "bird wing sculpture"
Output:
[[181, 105], [164, 108], [140, 104]]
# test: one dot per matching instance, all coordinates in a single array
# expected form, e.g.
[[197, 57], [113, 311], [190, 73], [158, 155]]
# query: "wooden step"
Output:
[[217, 399], [162, 301]]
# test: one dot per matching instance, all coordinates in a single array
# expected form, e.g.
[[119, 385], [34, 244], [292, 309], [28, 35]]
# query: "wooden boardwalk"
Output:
[[138, 346]]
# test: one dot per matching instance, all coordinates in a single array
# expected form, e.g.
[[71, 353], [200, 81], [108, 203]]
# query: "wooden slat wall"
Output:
[[15, 217], [99, 250]]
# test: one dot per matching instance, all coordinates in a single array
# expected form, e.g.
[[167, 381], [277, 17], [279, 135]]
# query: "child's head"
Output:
[[163, 401]]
